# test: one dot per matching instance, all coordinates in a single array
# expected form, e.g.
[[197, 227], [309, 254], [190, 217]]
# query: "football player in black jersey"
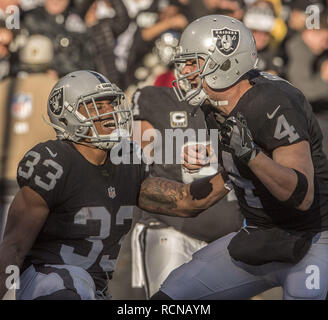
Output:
[[270, 146], [65, 224]]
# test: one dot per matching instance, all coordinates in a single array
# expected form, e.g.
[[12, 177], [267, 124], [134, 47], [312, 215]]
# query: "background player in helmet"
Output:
[[270, 146], [161, 243], [75, 203]]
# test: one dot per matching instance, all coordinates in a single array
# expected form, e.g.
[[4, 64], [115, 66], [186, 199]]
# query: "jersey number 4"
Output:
[[284, 129]]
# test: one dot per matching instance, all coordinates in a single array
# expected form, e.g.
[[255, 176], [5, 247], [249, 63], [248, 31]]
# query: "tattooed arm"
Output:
[[169, 197]]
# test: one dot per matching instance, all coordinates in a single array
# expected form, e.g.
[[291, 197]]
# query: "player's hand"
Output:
[[235, 135], [196, 156]]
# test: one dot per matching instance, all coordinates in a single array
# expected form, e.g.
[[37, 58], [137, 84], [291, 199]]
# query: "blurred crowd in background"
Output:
[[132, 41]]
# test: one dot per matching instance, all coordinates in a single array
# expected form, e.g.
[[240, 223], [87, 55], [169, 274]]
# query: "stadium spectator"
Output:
[[297, 15], [150, 26], [260, 19], [279, 29], [231, 8], [7, 57], [6, 37], [200, 8], [164, 48], [27, 5], [36, 56], [308, 60], [66, 30], [5, 3], [106, 20], [307, 66]]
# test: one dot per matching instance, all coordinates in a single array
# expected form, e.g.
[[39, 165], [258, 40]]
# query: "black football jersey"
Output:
[[90, 206], [277, 114], [160, 107]]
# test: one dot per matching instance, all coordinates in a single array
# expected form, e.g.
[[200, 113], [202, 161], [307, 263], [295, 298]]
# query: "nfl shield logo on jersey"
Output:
[[111, 192], [227, 40]]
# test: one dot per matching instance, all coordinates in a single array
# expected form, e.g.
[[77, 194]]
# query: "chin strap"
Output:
[[105, 145], [100, 145], [218, 103], [62, 130], [198, 99]]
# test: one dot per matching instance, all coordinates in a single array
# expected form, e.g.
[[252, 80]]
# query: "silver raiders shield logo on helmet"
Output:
[[227, 40], [56, 101]]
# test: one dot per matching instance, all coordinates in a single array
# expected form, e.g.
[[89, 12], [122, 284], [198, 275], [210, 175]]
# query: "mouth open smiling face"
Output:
[[102, 112], [105, 120]]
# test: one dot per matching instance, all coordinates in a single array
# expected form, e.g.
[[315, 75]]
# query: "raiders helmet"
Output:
[[77, 89], [227, 48]]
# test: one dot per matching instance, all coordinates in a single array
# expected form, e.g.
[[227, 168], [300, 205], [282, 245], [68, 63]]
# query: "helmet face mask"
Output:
[[119, 119], [227, 49], [184, 89], [87, 108]]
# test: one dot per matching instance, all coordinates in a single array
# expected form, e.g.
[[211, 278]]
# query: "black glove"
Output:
[[235, 135]]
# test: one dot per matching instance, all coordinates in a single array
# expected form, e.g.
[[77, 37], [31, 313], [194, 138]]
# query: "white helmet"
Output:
[[77, 89], [228, 49]]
